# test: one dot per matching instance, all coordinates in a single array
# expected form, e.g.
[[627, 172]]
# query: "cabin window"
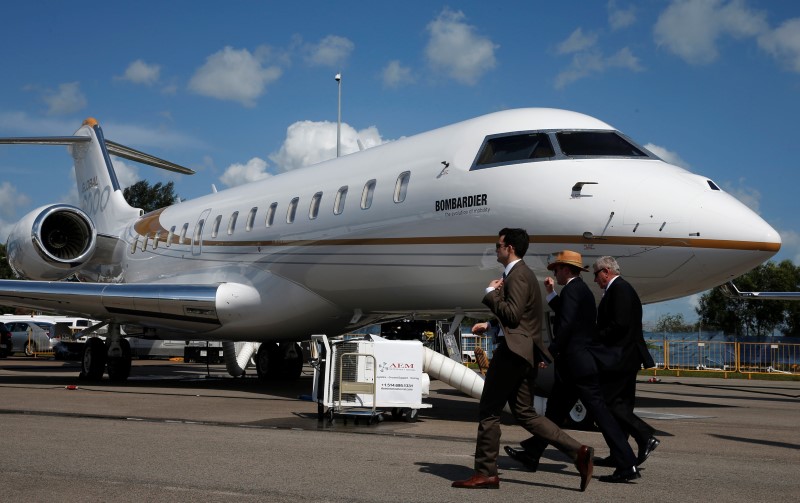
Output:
[[292, 211], [514, 148], [251, 218], [313, 210], [198, 230], [170, 236], [182, 239], [366, 194], [596, 144], [401, 186], [338, 203], [232, 223], [215, 229], [271, 214]]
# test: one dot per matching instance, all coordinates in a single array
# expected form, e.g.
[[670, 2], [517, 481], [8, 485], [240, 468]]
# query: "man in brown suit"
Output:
[[516, 302]]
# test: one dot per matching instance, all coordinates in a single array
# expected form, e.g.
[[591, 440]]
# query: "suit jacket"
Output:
[[619, 322], [575, 346], [517, 305]]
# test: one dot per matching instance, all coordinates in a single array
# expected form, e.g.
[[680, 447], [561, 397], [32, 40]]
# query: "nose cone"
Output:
[[736, 226]]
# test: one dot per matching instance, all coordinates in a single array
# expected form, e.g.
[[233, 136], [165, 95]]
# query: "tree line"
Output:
[[742, 317]]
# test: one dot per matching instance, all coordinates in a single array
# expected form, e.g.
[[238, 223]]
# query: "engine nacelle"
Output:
[[51, 242]]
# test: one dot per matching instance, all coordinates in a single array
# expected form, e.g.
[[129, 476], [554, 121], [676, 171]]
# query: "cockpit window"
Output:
[[514, 148], [596, 144]]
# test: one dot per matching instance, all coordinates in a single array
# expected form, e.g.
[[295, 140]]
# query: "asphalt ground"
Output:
[[182, 432]]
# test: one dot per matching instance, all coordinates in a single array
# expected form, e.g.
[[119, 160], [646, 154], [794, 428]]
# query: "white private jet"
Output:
[[403, 229]]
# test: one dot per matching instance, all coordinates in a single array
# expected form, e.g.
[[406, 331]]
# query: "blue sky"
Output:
[[244, 90]]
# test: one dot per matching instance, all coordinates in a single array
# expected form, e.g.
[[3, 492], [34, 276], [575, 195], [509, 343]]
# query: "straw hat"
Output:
[[568, 257]]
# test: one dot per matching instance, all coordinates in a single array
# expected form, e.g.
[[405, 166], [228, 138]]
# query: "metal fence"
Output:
[[743, 357]]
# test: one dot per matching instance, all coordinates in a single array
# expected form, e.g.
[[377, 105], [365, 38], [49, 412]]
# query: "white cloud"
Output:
[[310, 142], [619, 18], [140, 72], [331, 51], [396, 75], [668, 155], [235, 75], [784, 43], [127, 174], [576, 42], [10, 200], [66, 100], [749, 196], [691, 29], [239, 174], [586, 63], [455, 50], [790, 246], [22, 123]]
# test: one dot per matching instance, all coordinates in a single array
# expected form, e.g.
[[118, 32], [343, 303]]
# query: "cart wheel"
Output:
[[379, 418], [330, 416], [411, 415], [397, 413], [320, 412]]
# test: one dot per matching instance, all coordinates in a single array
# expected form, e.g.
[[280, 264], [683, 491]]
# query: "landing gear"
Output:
[[113, 354], [119, 367], [279, 362], [93, 362]]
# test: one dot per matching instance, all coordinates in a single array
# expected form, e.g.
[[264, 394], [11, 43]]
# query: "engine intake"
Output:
[[51, 242]]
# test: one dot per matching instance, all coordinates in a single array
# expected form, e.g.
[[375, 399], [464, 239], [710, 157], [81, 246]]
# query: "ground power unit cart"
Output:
[[364, 378]]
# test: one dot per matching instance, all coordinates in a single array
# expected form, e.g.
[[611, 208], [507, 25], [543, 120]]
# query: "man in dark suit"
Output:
[[516, 301], [619, 322], [576, 352]]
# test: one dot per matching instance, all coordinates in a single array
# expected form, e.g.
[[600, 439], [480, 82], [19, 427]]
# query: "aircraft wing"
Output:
[[730, 289], [176, 307]]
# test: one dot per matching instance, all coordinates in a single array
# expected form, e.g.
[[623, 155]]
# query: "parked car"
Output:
[[6, 346], [39, 333]]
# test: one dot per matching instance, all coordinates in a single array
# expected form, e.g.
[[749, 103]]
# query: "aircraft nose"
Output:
[[737, 224]]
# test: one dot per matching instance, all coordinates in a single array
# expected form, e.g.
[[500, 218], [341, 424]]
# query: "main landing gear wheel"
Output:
[[93, 363], [119, 367], [274, 362]]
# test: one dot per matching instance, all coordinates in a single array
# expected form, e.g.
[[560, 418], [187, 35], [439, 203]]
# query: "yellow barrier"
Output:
[[743, 357]]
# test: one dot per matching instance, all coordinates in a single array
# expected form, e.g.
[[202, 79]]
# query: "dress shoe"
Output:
[[584, 464], [647, 449], [622, 475], [607, 461], [521, 455], [479, 481]]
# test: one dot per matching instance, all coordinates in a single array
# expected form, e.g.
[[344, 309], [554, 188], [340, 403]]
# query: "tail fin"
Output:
[[98, 187]]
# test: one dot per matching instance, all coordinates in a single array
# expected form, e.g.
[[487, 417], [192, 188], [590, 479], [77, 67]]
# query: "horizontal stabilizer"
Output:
[[113, 148]]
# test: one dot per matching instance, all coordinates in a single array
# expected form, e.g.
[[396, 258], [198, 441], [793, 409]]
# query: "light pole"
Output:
[[339, 117]]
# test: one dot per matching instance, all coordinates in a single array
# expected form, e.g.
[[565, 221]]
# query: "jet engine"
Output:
[[51, 243]]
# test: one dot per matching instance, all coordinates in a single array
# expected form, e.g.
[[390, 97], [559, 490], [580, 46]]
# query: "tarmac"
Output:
[[187, 432]]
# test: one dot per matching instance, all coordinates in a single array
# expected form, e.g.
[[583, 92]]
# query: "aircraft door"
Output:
[[197, 236]]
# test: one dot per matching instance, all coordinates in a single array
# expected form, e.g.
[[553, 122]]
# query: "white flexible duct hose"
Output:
[[452, 373], [236, 363]]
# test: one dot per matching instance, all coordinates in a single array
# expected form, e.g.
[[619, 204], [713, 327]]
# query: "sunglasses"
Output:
[[497, 246], [598, 272]]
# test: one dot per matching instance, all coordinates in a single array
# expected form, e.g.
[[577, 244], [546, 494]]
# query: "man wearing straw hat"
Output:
[[575, 351]]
